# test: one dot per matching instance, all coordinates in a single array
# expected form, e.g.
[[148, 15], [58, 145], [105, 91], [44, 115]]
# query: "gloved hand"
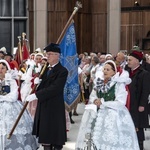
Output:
[[31, 98], [37, 80]]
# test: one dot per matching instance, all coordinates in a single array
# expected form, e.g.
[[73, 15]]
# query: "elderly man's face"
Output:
[[52, 57], [133, 62], [120, 57]]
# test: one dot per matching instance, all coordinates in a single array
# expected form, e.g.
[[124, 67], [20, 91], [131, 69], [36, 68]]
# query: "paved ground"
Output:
[[72, 134]]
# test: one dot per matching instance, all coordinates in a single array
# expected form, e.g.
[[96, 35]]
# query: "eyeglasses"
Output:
[[49, 54]]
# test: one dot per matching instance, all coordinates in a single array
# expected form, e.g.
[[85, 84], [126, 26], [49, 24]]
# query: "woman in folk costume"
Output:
[[36, 68], [25, 77], [22, 71], [38, 63], [106, 119], [33, 70], [10, 107]]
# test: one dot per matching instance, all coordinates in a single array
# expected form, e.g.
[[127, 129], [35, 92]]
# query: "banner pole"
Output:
[[76, 8]]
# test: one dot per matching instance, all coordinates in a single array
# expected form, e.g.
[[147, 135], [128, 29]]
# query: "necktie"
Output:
[[49, 71]]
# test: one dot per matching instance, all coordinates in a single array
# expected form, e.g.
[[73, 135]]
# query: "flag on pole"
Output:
[[69, 59], [25, 50], [22, 50], [18, 57]]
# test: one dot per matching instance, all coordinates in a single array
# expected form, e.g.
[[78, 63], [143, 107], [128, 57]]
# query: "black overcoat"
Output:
[[139, 91], [146, 66], [50, 122]]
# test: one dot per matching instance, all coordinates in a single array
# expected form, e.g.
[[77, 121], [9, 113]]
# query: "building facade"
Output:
[[105, 26]]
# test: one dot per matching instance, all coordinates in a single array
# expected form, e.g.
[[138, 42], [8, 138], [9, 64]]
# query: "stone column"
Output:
[[113, 26], [40, 23]]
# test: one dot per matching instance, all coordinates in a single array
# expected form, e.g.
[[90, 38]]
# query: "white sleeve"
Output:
[[120, 99], [38, 69], [93, 96], [20, 73], [79, 70], [13, 95]]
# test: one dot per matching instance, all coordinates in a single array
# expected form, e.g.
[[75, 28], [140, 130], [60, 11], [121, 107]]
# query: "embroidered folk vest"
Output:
[[108, 96]]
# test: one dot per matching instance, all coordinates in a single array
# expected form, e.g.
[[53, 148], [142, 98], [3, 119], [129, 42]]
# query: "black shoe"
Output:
[[72, 122], [75, 114]]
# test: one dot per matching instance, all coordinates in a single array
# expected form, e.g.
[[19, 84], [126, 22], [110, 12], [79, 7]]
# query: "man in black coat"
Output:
[[139, 91], [50, 122]]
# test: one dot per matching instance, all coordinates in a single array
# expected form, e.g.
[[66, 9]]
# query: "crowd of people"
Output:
[[114, 88], [116, 91]]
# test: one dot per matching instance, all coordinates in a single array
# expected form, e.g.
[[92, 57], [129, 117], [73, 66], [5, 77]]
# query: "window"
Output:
[[13, 20]]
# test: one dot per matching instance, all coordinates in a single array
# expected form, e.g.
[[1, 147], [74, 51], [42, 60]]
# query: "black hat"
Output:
[[9, 54], [2, 52], [52, 47]]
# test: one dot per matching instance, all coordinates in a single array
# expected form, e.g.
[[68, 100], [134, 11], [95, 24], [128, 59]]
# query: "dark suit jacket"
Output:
[[146, 66], [139, 90], [50, 121]]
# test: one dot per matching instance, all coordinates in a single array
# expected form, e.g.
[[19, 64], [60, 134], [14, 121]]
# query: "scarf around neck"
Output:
[[102, 86]]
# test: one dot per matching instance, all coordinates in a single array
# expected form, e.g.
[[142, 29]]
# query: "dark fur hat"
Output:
[[137, 54]]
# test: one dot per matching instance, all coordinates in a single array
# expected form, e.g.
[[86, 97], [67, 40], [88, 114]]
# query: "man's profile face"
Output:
[[132, 62]]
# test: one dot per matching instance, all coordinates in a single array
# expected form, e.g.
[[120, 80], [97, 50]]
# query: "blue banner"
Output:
[[69, 59]]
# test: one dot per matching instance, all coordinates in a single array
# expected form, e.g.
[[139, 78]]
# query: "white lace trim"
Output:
[[113, 130]]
